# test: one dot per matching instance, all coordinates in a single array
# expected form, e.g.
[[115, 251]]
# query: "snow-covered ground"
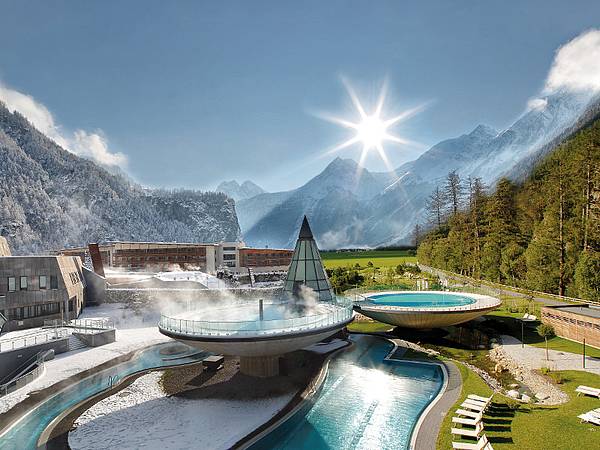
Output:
[[196, 276], [139, 334], [141, 416]]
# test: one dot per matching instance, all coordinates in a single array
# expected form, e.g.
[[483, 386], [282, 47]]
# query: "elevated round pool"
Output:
[[424, 309]]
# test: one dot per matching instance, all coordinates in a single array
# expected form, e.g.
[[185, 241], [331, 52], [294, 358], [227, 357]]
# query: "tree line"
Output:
[[542, 233]]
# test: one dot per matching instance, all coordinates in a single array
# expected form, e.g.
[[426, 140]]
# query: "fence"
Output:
[[17, 383], [497, 288], [32, 339], [336, 315]]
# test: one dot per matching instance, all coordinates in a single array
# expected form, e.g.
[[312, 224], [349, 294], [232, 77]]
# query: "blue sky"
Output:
[[197, 92]]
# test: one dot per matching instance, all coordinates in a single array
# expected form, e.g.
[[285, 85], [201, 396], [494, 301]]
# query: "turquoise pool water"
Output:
[[364, 403], [25, 434], [421, 299]]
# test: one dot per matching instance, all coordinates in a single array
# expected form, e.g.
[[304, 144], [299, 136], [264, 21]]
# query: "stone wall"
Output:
[[573, 326]]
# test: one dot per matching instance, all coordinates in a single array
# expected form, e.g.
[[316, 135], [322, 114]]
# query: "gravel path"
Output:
[[535, 358]]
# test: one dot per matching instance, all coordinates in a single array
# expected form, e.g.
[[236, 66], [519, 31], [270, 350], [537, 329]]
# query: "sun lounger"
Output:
[[589, 418], [474, 433], [471, 422], [530, 317], [586, 390], [467, 413], [483, 405], [481, 444], [480, 398], [472, 407]]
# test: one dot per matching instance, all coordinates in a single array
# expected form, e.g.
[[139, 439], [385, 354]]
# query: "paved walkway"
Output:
[[430, 427], [535, 358]]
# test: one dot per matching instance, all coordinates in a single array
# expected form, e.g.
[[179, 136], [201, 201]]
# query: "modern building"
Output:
[[207, 257], [259, 330], [574, 322], [37, 288]]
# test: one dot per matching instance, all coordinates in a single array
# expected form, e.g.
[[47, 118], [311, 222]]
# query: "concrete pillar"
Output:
[[260, 366]]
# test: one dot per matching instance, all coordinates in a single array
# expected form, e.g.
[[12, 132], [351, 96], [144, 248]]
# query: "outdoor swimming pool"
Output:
[[24, 435], [421, 299], [365, 402]]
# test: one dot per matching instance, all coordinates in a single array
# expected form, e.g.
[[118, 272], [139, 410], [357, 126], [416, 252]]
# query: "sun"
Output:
[[371, 130]]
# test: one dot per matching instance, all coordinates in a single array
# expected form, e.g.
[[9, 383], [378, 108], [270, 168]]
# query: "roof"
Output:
[[588, 311], [305, 231], [306, 269]]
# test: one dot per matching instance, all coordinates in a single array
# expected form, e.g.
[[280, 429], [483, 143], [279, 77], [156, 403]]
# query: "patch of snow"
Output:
[[141, 416]]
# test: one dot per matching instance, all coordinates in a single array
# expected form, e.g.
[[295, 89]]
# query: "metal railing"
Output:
[[335, 315], [103, 323], [32, 339], [479, 302], [498, 287], [13, 385]]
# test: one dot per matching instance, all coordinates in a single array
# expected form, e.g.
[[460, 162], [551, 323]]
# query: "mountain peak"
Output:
[[482, 130], [233, 189]]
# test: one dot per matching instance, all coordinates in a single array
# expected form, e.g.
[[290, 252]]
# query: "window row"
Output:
[[27, 312], [23, 283]]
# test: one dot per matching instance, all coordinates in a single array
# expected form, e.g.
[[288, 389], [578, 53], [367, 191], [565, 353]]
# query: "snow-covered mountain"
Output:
[[237, 191], [351, 207], [51, 198]]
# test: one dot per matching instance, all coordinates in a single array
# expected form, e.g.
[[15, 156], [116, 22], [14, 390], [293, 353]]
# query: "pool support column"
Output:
[[260, 366]]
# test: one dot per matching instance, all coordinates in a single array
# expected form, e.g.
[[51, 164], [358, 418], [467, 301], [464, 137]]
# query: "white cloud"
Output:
[[576, 66], [537, 103], [80, 142]]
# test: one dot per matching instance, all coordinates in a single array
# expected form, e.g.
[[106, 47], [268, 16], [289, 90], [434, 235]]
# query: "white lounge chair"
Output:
[[479, 398], [530, 317], [586, 390], [472, 407], [483, 405], [589, 418], [467, 413], [474, 433], [472, 422], [481, 444]]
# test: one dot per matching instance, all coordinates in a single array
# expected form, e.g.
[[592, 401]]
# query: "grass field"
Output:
[[368, 327], [379, 258], [511, 425], [512, 310]]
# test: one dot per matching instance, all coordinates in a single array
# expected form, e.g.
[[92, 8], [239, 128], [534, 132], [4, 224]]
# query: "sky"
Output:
[[191, 93]]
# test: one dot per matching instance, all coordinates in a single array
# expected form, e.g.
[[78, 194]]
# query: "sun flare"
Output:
[[371, 130]]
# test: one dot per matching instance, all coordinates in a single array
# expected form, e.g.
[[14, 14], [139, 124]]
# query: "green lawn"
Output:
[[510, 425], [379, 258], [368, 327], [506, 322]]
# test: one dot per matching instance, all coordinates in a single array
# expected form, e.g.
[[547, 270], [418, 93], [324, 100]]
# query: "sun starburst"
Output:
[[372, 130]]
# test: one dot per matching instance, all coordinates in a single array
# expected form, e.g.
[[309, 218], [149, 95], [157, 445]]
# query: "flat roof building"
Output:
[[574, 322], [207, 257], [38, 288]]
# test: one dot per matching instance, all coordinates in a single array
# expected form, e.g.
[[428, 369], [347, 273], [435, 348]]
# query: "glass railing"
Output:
[[333, 314]]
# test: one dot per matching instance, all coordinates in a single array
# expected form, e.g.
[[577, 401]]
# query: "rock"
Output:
[[514, 394], [541, 396], [526, 398], [514, 386]]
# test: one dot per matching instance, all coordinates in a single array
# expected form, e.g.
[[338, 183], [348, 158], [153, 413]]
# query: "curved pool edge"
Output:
[[426, 317], [31, 402], [306, 396], [121, 383], [425, 413]]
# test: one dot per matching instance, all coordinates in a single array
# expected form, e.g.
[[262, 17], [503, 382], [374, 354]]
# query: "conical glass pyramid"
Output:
[[306, 268]]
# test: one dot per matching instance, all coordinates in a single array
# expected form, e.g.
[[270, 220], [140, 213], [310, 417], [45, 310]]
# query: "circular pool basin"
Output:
[[244, 329], [424, 309]]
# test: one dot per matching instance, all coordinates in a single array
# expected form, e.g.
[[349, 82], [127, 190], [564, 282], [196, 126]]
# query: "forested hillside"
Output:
[[51, 198], [542, 234]]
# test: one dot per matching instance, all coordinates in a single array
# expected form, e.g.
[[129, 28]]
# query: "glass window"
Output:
[[53, 282], [12, 284], [43, 282], [23, 283]]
